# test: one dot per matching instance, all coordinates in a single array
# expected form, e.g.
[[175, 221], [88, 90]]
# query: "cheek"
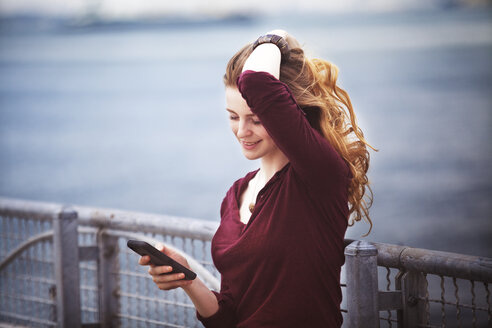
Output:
[[263, 133], [234, 127], [268, 141]]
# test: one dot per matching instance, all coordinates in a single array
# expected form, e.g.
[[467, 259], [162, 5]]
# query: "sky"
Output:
[[132, 8]]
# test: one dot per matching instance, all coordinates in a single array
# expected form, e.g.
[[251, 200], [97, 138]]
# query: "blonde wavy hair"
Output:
[[329, 110]]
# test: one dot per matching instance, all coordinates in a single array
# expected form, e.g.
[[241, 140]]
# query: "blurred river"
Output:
[[134, 118]]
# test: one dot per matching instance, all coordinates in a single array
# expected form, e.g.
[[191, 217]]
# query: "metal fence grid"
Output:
[[447, 301], [142, 304], [89, 293], [452, 302], [27, 283], [387, 277]]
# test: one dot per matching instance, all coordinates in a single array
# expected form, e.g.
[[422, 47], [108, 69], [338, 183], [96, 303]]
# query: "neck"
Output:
[[270, 166]]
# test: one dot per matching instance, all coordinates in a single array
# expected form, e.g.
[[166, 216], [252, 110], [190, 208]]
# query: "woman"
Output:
[[279, 247]]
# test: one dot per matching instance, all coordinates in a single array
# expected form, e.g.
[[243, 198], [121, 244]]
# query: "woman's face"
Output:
[[254, 139]]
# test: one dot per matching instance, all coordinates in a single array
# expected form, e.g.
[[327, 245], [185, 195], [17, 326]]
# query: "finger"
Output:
[[174, 284], [166, 250], [167, 278], [158, 270], [144, 260], [160, 246]]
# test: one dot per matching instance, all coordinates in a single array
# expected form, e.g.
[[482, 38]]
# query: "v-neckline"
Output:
[[242, 188]]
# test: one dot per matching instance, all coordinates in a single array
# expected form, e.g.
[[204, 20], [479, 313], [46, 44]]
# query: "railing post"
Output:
[[362, 285], [66, 247], [413, 286], [108, 285]]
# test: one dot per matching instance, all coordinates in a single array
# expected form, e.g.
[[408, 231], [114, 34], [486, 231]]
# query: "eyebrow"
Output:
[[233, 112]]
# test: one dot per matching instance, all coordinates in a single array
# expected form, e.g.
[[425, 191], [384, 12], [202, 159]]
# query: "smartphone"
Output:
[[159, 258]]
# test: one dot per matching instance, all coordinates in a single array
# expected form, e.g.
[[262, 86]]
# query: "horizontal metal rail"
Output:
[[145, 222], [114, 219], [29, 209], [435, 262]]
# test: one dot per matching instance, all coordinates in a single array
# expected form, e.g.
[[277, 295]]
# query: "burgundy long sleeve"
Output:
[[282, 269]]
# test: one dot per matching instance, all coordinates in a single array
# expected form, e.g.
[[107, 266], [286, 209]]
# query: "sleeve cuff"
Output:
[[221, 318]]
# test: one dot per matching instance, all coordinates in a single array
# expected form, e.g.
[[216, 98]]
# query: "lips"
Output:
[[250, 145]]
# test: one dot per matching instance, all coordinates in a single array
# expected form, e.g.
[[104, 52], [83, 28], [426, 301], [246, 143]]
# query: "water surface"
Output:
[[135, 119]]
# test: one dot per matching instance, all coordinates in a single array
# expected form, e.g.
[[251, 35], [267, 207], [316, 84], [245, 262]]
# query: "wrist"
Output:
[[265, 58], [203, 298], [268, 49], [190, 287]]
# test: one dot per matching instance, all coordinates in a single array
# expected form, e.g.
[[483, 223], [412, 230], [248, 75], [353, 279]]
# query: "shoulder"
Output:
[[239, 184]]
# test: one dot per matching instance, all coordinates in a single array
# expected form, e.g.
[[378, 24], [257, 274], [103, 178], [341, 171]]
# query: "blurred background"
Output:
[[120, 104]]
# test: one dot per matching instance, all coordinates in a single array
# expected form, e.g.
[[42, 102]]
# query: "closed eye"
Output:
[[252, 117]]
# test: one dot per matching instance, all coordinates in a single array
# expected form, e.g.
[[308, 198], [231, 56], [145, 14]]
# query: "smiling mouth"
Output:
[[249, 144]]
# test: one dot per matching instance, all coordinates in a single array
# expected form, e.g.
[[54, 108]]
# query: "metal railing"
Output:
[[430, 289], [68, 267], [45, 281]]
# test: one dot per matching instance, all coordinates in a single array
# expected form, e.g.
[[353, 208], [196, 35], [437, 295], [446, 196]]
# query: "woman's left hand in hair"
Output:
[[267, 58]]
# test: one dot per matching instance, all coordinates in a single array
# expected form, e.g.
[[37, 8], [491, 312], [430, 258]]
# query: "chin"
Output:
[[251, 157]]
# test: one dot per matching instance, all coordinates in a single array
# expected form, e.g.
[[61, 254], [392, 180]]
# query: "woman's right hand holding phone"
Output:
[[202, 297], [163, 276]]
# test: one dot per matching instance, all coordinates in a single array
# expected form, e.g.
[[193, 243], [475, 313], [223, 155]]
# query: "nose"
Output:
[[243, 129]]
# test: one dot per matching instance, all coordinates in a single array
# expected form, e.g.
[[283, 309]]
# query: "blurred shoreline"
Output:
[[93, 21]]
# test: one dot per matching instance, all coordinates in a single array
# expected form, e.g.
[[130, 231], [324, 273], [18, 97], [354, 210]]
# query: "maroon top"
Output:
[[282, 269]]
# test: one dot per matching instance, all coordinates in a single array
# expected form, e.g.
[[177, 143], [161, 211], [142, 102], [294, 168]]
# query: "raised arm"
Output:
[[310, 154]]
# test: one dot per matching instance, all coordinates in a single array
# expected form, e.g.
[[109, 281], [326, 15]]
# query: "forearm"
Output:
[[265, 58], [202, 297]]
